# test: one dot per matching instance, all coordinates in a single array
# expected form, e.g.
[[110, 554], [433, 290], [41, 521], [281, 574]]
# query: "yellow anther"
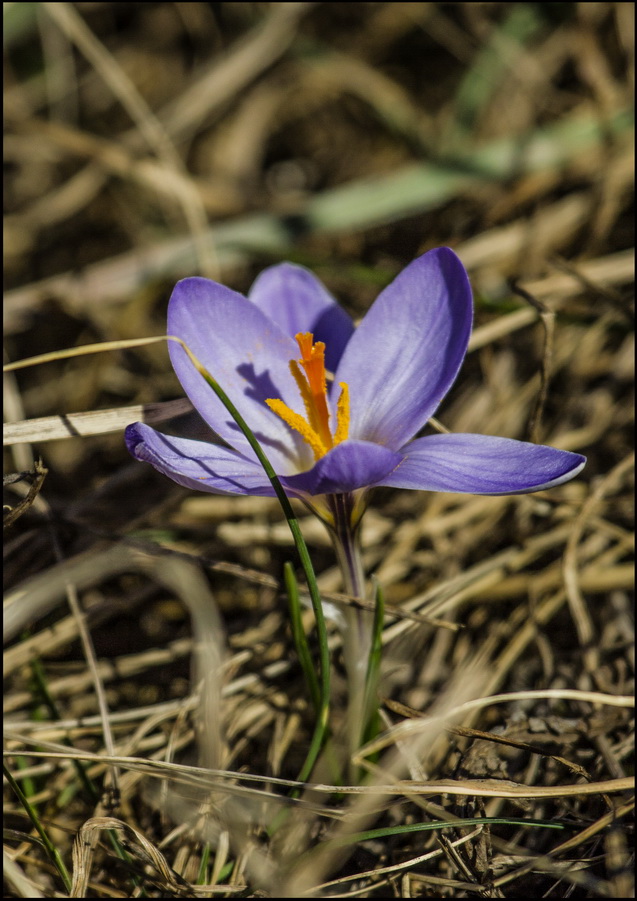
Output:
[[310, 377], [342, 414], [296, 422]]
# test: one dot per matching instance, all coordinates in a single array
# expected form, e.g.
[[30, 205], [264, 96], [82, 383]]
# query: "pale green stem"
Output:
[[357, 635]]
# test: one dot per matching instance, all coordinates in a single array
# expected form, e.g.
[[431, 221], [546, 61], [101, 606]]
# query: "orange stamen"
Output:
[[306, 394], [311, 379], [313, 362]]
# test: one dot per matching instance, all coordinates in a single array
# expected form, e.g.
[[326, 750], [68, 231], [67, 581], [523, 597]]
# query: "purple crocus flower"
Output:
[[273, 353]]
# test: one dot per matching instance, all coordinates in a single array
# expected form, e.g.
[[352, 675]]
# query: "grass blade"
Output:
[[51, 850], [298, 634], [370, 722]]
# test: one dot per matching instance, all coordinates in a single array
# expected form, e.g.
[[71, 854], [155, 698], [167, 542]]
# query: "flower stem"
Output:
[[357, 635], [321, 725]]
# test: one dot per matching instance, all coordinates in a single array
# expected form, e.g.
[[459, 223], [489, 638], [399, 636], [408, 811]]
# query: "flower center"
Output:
[[309, 375]]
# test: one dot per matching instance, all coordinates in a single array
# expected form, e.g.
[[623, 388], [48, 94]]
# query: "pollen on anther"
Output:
[[342, 414], [311, 380], [296, 422]]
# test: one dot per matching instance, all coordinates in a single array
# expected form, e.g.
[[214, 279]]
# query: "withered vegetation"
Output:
[[155, 712]]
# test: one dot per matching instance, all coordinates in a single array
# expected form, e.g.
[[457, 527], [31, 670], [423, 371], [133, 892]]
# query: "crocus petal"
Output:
[[249, 357], [197, 464], [297, 301], [348, 466], [406, 353], [480, 464]]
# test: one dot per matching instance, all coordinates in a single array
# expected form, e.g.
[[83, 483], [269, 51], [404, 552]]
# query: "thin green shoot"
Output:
[[299, 637], [368, 835], [51, 851], [28, 784], [370, 721], [41, 687], [90, 789], [320, 730], [203, 866]]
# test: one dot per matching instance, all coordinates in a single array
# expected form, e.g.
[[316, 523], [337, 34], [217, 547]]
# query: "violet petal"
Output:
[[297, 301], [406, 353], [248, 355], [197, 464], [481, 464], [348, 466]]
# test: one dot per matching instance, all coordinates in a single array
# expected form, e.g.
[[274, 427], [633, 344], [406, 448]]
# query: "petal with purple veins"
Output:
[[248, 355], [480, 464], [405, 355], [197, 464]]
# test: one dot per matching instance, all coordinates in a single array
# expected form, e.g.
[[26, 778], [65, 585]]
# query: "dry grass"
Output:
[[154, 704]]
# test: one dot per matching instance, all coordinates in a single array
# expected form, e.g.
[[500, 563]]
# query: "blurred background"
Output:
[[145, 142], [150, 141]]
